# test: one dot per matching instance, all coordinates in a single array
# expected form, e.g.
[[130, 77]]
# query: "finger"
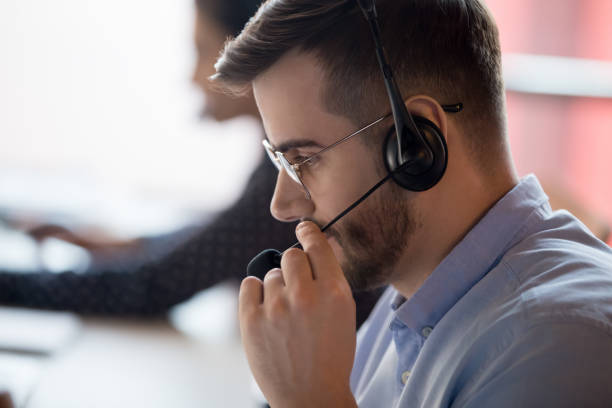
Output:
[[295, 268], [273, 284], [250, 296], [320, 254]]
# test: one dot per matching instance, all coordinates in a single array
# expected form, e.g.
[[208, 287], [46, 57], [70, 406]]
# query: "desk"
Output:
[[123, 363]]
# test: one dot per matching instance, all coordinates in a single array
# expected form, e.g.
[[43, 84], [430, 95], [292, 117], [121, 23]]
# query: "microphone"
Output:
[[271, 258]]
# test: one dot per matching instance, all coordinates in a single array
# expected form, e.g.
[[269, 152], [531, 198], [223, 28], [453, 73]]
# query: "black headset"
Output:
[[416, 158], [414, 151]]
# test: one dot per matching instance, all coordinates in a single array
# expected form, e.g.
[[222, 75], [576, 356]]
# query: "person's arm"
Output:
[[218, 252]]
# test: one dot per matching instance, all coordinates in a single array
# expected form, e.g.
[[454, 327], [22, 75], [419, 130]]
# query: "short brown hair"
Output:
[[448, 49]]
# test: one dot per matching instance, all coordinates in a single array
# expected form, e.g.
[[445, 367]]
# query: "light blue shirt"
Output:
[[519, 314]]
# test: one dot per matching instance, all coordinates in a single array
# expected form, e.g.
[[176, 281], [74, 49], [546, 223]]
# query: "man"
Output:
[[493, 299]]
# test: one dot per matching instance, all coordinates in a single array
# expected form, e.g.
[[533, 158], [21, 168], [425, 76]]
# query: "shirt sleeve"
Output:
[[551, 365]]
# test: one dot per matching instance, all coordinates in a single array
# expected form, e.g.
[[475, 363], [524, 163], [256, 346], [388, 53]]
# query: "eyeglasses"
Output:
[[294, 170]]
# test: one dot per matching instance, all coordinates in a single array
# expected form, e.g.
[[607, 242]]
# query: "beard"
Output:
[[373, 239]]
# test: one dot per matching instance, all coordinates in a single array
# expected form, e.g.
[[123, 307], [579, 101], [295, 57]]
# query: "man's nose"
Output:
[[289, 202]]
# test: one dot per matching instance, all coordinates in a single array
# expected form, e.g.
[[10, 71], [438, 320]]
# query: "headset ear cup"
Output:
[[413, 177]]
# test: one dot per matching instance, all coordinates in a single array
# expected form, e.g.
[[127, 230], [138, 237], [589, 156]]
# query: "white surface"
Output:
[[123, 362], [98, 115], [210, 315], [556, 75], [18, 252], [19, 375], [35, 331], [144, 364]]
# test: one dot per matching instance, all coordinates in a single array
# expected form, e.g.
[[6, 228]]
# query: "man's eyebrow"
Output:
[[297, 143]]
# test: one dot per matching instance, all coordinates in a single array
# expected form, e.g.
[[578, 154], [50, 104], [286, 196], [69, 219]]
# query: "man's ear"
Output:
[[419, 166], [429, 108]]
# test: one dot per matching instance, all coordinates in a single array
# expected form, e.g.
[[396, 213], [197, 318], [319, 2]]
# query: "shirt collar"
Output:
[[475, 255]]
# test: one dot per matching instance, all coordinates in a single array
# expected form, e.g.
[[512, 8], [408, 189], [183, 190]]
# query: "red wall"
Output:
[[566, 140]]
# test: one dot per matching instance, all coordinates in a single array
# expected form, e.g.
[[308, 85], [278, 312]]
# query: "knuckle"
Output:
[[250, 288], [248, 284], [273, 274], [293, 254]]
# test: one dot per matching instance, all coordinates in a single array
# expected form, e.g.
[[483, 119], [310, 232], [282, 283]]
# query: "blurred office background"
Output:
[[558, 72], [100, 129], [100, 132], [99, 121]]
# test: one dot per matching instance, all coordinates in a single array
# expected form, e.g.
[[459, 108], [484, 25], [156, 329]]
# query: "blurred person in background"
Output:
[[179, 265], [196, 258]]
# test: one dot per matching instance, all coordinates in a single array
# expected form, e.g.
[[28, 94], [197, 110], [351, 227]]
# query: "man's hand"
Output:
[[298, 327]]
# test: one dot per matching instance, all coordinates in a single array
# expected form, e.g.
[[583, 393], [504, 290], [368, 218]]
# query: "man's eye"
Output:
[[299, 159], [295, 157], [311, 160]]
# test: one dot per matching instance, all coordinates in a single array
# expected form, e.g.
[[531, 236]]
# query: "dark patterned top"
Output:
[[217, 252]]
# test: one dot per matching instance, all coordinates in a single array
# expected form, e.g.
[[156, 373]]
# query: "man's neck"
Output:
[[457, 209]]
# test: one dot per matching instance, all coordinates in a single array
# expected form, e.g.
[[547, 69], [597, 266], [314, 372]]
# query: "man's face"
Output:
[[209, 37], [368, 241]]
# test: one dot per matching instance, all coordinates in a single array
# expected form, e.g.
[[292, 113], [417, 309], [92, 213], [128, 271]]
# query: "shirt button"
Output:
[[405, 376], [426, 331]]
